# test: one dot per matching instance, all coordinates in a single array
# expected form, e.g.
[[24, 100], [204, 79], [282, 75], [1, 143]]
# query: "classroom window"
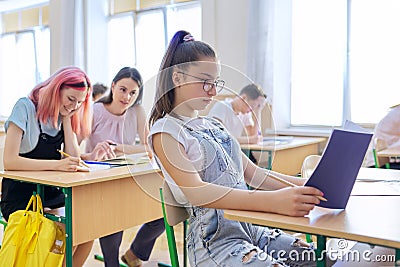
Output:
[[150, 45], [139, 38], [345, 61], [25, 61], [121, 40], [186, 17]]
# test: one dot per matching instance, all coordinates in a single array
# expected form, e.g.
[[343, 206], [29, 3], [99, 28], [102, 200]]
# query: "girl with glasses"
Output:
[[207, 172]]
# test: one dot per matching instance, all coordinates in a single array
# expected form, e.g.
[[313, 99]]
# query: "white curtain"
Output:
[[79, 31], [17, 69], [67, 34], [259, 47]]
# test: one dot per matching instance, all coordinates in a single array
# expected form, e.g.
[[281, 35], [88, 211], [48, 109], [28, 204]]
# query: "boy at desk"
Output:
[[99, 90], [117, 119], [240, 114], [387, 133]]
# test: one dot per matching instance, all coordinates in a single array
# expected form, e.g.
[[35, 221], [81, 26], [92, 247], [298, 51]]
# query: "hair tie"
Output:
[[188, 37]]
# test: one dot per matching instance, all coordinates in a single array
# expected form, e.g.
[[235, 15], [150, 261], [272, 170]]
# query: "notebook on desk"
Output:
[[338, 168], [276, 140], [129, 159]]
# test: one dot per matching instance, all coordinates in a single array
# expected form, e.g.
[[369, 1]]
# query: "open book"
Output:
[[337, 170], [276, 140], [92, 168], [129, 159]]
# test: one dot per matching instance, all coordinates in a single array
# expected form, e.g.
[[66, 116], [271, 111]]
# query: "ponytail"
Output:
[[181, 49]]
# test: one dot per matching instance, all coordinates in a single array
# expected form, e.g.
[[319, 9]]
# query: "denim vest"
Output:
[[212, 239], [208, 229]]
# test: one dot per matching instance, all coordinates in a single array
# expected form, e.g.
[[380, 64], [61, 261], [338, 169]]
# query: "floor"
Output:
[[159, 254]]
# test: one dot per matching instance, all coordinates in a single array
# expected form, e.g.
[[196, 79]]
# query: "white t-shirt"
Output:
[[234, 123], [388, 131], [173, 126]]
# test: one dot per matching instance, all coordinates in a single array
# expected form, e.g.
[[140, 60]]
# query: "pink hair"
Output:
[[46, 97]]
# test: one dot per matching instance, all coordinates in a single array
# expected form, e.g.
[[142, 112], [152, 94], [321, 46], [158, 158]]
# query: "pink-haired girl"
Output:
[[54, 113]]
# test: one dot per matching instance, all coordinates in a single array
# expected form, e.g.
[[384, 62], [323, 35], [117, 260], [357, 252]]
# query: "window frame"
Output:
[[346, 101]]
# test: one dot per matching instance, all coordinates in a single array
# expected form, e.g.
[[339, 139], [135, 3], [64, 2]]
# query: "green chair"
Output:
[[3, 222], [173, 215], [307, 168], [378, 145]]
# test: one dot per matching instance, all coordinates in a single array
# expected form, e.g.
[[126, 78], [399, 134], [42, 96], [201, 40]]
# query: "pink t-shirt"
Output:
[[121, 129]]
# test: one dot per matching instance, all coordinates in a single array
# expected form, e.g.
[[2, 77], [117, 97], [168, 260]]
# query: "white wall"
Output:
[[62, 43], [225, 24], [96, 41]]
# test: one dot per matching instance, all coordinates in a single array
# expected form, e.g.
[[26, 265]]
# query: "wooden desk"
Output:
[[388, 155], [102, 202], [368, 219], [389, 152], [288, 157], [363, 220]]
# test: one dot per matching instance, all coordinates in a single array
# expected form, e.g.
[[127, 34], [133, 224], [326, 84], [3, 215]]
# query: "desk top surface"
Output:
[[389, 152], [367, 218], [370, 219], [69, 179], [378, 174], [296, 141]]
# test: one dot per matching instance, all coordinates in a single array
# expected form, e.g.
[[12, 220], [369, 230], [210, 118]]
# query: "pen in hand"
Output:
[[81, 162], [290, 184]]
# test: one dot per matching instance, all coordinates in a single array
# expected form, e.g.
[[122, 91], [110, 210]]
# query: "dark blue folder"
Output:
[[338, 168]]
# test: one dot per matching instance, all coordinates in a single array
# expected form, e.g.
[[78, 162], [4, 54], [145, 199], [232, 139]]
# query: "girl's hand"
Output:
[[69, 115], [103, 151], [68, 164], [295, 201], [149, 151], [255, 139]]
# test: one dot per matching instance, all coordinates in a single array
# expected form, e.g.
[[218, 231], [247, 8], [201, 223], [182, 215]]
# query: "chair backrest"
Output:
[[175, 213], [309, 165], [378, 145]]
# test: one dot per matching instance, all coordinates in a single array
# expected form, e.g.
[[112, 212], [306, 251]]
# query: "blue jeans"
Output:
[[141, 246]]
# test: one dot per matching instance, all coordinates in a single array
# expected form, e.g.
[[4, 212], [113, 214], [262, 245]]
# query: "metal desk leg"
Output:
[[321, 251], [269, 159], [40, 191], [68, 225], [67, 220], [185, 223], [246, 152]]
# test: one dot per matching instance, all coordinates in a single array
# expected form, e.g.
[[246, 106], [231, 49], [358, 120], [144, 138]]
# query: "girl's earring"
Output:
[[177, 80]]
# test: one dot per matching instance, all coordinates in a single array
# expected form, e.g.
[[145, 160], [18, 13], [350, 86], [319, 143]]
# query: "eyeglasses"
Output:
[[208, 84]]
